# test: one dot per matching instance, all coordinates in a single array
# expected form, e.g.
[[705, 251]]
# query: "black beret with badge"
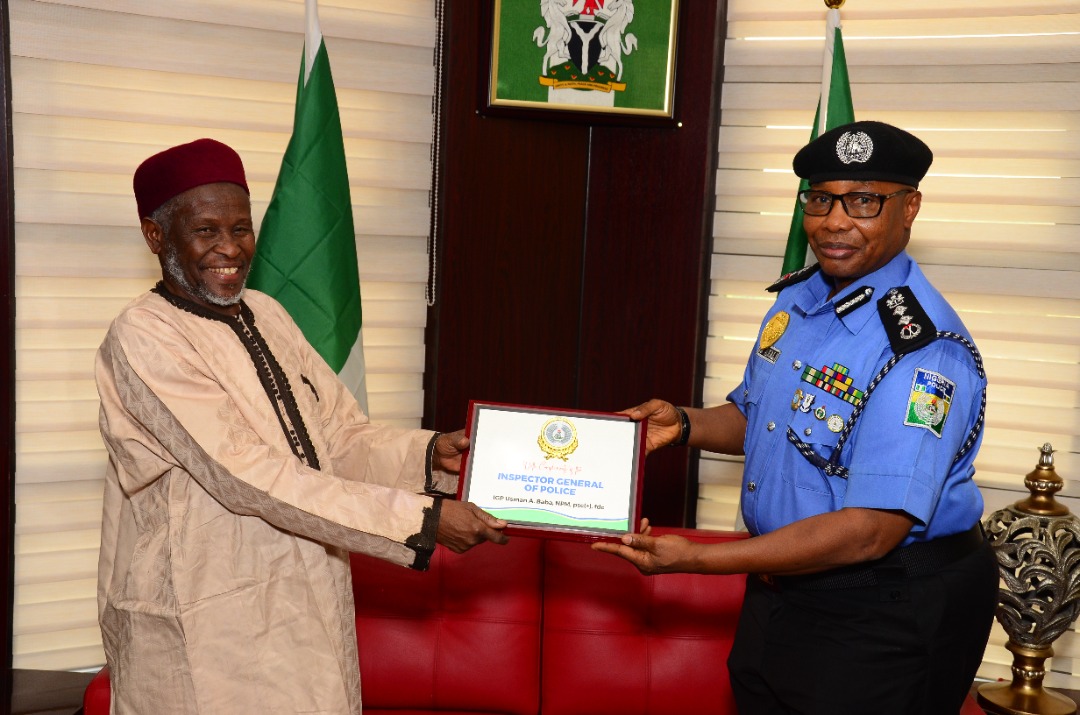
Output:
[[864, 151]]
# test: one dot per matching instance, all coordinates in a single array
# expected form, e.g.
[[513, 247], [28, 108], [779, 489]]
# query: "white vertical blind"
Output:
[[993, 86], [98, 86]]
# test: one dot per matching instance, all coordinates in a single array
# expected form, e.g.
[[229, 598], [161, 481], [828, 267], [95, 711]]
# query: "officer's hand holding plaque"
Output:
[[567, 474]]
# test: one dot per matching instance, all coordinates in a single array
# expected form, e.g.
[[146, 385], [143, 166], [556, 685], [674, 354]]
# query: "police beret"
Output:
[[174, 171], [864, 151]]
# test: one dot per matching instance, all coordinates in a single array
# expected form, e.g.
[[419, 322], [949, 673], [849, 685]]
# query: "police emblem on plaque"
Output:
[[558, 438]]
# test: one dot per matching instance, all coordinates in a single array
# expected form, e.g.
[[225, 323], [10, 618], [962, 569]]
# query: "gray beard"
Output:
[[172, 267]]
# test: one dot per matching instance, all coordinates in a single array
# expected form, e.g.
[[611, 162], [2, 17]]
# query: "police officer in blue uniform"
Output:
[[860, 414]]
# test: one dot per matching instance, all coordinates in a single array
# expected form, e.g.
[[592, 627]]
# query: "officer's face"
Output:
[[850, 248]]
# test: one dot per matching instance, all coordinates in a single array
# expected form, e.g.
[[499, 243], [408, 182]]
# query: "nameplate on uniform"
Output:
[[569, 474]]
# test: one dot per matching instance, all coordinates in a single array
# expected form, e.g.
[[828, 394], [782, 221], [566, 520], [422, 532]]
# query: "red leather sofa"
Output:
[[546, 627], [538, 627]]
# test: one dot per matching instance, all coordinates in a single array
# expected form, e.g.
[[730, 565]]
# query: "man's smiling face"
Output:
[[206, 252], [849, 248]]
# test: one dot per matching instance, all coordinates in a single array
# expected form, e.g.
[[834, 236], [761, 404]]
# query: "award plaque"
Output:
[[569, 474]]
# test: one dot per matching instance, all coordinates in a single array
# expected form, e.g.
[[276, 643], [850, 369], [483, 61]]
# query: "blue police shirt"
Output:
[[901, 451]]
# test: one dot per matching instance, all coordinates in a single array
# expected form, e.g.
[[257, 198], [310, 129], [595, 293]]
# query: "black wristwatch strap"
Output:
[[684, 434]]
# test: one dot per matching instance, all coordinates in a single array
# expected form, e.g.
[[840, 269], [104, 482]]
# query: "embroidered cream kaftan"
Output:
[[241, 473]]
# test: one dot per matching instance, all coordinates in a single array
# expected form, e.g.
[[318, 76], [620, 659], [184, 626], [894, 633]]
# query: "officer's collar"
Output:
[[851, 304]]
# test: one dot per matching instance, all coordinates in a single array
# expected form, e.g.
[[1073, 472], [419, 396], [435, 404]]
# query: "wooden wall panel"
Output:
[[572, 258], [646, 269]]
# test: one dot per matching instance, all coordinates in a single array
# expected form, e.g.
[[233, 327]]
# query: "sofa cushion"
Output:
[[617, 643], [462, 637]]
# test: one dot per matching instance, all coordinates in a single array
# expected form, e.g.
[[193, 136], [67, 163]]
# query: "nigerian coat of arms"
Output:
[[585, 44]]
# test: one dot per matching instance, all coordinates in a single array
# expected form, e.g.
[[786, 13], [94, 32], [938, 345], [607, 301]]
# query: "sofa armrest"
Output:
[[97, 695], [617, 642]]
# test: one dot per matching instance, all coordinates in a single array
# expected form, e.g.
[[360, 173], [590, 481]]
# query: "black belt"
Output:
[[912, 561]]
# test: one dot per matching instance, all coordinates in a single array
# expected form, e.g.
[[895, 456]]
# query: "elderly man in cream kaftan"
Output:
[[228, 437]]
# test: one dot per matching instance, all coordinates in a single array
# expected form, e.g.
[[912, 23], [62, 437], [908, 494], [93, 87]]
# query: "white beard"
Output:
[[172, 267]]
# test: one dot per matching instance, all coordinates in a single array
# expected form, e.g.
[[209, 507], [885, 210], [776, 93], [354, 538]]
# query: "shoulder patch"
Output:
[[906, 323], [931, 397], [790, 279]]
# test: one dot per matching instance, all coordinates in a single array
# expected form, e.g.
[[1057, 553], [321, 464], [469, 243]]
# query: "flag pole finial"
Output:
[[834, 4]]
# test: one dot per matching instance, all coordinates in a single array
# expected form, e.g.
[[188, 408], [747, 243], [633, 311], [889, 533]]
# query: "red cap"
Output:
[[175, 170]]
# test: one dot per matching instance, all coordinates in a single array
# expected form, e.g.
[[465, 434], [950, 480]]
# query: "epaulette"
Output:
[[906, 323], [790, 279]]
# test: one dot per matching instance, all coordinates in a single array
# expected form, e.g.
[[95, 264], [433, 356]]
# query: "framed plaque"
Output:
[[569, 474], [595, 61]]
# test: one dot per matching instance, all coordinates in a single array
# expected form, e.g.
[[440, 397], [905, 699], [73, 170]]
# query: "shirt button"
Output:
[[807, 431], [746, 393], [796, 365], [771, 426], [751, 486]]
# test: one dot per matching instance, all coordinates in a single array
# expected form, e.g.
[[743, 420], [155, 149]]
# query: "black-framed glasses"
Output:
[[857, 204]]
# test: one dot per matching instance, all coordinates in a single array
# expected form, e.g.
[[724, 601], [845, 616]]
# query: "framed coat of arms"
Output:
[[596, 60]]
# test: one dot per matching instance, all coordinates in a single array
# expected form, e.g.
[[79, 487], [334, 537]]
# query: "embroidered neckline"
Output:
[[191, 306], [272, 377]]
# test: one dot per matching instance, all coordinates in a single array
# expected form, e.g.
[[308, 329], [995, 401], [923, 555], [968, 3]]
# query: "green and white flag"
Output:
[[834, 109], [306, 253]]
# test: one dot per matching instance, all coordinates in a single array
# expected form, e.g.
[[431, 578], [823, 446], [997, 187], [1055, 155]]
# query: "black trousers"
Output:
[[909, 646]]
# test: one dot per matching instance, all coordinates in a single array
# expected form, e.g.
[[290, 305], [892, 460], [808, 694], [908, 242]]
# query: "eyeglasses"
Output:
[[857, 204]]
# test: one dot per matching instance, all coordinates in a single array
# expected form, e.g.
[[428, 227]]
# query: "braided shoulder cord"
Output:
[[976, 428], [832, 466], [850, 425]]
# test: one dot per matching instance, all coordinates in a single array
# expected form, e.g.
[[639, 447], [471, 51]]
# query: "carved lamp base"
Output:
[[1025, 695]]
